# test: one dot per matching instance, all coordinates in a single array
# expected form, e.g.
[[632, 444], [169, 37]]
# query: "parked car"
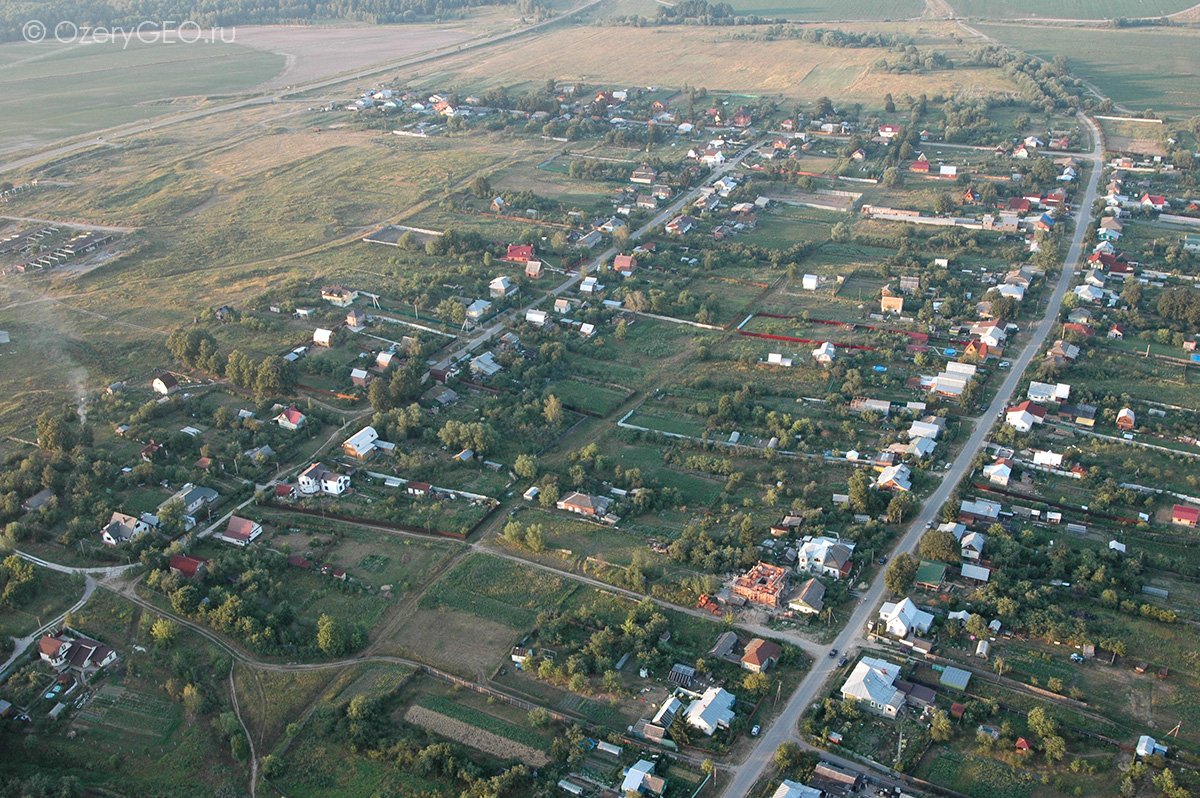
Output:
[[832, 653], [754, 732]]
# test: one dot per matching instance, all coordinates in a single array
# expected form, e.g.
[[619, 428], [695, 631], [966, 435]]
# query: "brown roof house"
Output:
[[241, 531], [760, 655], [583, 504]]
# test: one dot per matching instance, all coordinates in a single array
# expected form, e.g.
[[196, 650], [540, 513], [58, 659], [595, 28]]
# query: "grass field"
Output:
[[94, 86], [1156, 68], [586, 397], [499, 589], [1069, 9], [821, 10]]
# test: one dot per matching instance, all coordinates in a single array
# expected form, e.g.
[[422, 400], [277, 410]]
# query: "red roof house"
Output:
[[519, 253], [190, 567], [760, 655], [1183, 515]]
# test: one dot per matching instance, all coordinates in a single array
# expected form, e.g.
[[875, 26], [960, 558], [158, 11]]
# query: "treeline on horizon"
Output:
[[128, 14]]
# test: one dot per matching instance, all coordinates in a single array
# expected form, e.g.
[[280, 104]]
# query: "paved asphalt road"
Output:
[[851, 638]]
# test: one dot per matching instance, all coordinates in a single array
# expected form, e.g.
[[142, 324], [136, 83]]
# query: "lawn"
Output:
[[587, 397], [1156, 68], [102, 85]]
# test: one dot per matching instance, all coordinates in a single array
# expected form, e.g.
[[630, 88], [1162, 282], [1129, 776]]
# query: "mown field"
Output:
[[1155, 68], [102, 85]]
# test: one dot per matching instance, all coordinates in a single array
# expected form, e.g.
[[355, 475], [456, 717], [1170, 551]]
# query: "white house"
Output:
[[972, 545], [924, 429], [323, 337], [1047, 458], [794, 789], [478, 309], [810, 282], [165, 384], [502, 286], [998, 473], [361, 444], [825, 555], [1045, 392], [873, 682], [537, 318], [319, 479], [291, 419], [895, 477], [711, 711], [122, 528], [903, 618], [825, 353]]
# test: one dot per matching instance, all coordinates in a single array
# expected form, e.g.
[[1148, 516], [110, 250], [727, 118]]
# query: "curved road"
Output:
[[851, 638]]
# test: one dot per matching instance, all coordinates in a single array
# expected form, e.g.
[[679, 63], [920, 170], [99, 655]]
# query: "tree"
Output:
[[899, 507], [163, 632], [940, 545], [330, 637], [1054, 748], [535, 538], [193, 699], [526, 466], [840, 232], [481, 187], [709, 769], [889, 105], [944, 204], [239, 748], [622, 330], [553, 411], [57, 431], [1041, 724], [788, 757], [901, 573], [940, 729], [756, 683], [891, 176]]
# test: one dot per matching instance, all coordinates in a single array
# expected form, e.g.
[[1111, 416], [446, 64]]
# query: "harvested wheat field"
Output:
[[716, 60]]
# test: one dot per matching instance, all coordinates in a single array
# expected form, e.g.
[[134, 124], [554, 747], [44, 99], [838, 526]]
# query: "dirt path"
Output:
[[249, 739]]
